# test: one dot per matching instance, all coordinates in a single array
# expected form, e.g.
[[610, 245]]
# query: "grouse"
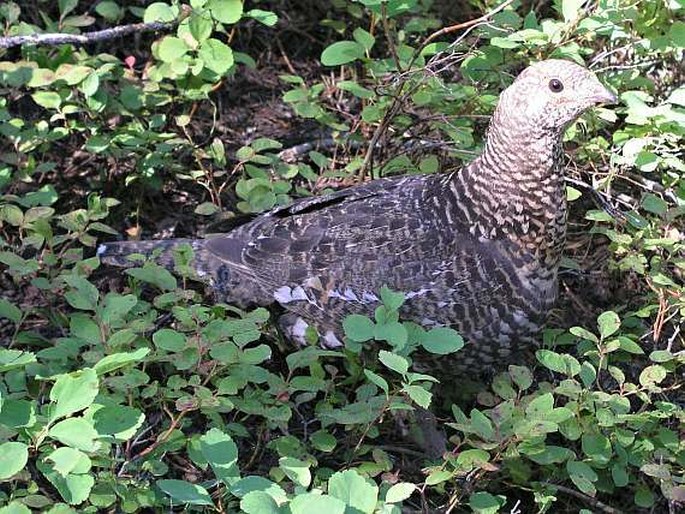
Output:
[[477, 249]]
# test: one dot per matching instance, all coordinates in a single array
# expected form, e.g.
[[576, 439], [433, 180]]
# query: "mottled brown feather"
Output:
[[477, 249]]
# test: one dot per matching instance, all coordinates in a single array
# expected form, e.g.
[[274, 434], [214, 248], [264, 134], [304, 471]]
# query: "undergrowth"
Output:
[[136, 390]]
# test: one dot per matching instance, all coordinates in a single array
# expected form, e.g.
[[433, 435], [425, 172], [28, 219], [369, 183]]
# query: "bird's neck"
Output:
[[516, 190]]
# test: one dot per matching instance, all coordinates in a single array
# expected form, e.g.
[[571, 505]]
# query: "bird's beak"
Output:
[[603, 96]]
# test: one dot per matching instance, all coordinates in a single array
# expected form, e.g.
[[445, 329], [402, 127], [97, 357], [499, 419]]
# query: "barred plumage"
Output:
[[477, 249]]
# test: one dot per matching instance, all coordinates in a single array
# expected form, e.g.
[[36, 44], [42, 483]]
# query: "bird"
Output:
[[476, 249]]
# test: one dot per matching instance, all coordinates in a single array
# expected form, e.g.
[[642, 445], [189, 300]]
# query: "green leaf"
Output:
[[473, 458], [378, 380], [116, 307], [250, 484], [161, 12], [582, 476], [221, 453], [644, 497], [115, 361], [399, 492], [419, 395], [442, 341], [503, 42], [118, 422], [82, 20], [216, 55], [358, 328], [72, 74], [11, 214], [15, 507], [570, 9], [584, 334], [73, 392], [501, 385], [90, 85], [83, 327], [258, 502], [551, 360], [17, 413], [342, 52], [109, 10], [364, 38], [393, 361], [185, 492], [323, 441], [660, 471], [75, 486], [393, 332], [608, 323], [226, 11], [170, 340], [47, 99], [482, 425], [661, 356], [296, 470], [521, 376], [597, 447], [551, 455], [13, 359], [76, 433], [485, 503], [654, 204], [620, 476], [572, 193], [206, 209], [630, 346], [69, 460], [155, 275], [359, 493], [267, 18], [355, 89], [66, 6], [10, 311], [677, 34], [309, 503], [200, 26], [85, 295], [13, 458], [171, 48], [391, 299], [652, 375], [541, 406]]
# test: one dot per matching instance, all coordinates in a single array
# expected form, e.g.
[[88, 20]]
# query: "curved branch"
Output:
[[53, 39]]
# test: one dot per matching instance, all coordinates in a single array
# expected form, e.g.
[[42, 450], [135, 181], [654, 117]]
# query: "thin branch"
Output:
[[459, 26], [588, 499], [401, 95], [56, 38]]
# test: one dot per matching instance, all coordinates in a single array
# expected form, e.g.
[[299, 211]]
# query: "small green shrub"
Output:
[[135, 392]]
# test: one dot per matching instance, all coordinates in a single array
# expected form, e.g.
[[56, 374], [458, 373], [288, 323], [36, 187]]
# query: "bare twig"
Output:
[[599, 198], [388, 36], [54, 39], [460, 26], [401, 95], [588, 499]]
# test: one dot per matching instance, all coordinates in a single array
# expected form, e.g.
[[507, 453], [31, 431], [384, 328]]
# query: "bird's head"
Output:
[[550, 95]]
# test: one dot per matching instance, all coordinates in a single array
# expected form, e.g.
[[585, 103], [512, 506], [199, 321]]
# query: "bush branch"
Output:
[[57, 38]]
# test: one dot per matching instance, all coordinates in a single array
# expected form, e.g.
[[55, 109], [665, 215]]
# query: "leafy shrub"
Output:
[[136, 392]]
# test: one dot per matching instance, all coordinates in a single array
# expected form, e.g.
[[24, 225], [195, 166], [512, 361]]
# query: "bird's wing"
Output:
[[349, 244], [319, 230]]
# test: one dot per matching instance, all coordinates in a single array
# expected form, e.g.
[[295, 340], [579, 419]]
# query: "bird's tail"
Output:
[[163, 251]]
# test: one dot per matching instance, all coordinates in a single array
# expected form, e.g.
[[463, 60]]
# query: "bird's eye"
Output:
[[555, 86]]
